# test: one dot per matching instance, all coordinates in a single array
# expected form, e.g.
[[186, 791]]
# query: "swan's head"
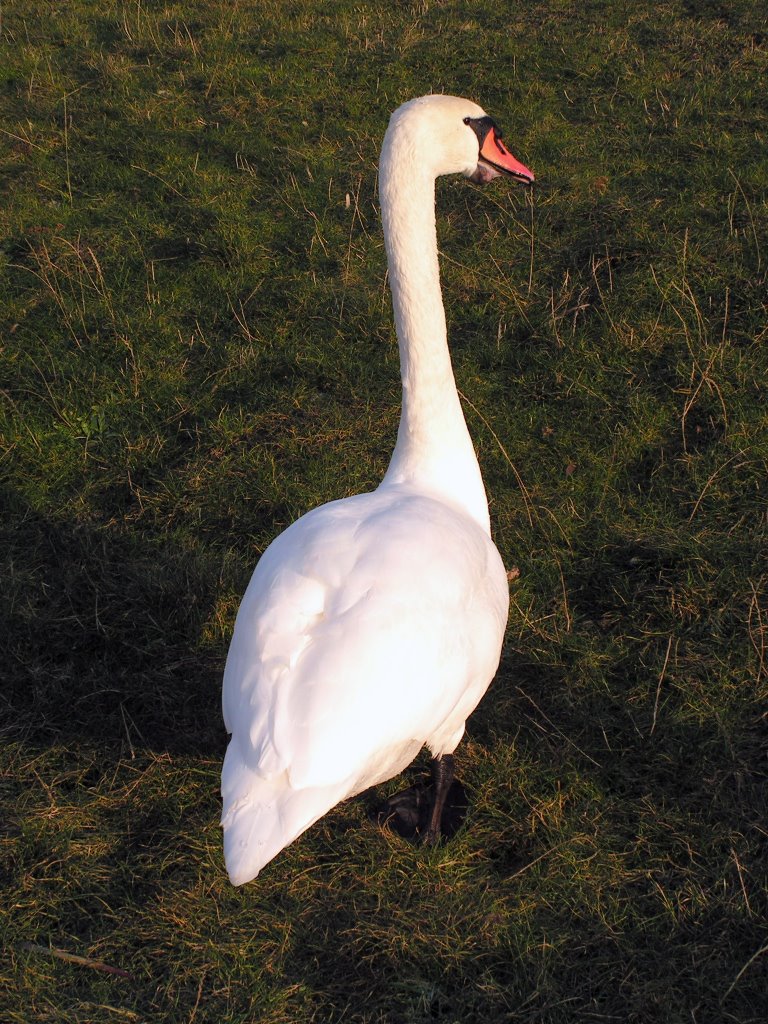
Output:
[[453, 136]]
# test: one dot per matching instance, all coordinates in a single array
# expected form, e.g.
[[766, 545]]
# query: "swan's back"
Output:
[[370, 627]]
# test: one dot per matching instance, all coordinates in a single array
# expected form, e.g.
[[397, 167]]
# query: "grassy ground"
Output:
[[197, 346]]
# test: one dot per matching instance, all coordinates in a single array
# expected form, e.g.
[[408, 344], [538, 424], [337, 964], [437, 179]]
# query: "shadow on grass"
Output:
[[103, 638]]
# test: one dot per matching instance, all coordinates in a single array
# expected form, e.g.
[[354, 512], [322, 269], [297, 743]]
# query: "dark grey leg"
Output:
[[442, 777], [427, 812]]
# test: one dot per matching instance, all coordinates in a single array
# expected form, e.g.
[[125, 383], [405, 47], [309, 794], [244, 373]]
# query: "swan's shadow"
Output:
[[105, 638]]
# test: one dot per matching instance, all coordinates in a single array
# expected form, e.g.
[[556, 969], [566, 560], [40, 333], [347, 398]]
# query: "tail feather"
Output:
[[262, 816]]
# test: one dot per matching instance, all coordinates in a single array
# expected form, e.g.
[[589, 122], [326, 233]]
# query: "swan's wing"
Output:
[[366, 625], [284, 599]]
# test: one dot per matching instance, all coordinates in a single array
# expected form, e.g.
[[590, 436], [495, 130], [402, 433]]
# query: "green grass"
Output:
[[196, 347]]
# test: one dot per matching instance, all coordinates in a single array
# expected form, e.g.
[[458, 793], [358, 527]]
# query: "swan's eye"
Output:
[[481, 126]]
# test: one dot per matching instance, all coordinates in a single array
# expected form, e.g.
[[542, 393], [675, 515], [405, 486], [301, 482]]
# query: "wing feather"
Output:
[[346, 623]]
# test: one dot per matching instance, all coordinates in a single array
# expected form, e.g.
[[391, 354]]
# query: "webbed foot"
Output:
[[427, 810]]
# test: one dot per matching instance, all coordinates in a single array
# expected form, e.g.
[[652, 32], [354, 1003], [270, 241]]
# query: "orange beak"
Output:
[[494, 152]]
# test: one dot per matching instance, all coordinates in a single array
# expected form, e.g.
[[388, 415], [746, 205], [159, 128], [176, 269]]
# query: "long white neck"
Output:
[[434, 451]]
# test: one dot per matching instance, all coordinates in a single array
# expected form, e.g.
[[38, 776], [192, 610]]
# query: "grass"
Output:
[[197, 347]]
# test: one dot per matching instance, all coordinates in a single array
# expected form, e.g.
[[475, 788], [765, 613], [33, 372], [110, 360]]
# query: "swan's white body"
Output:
[[373, 625]]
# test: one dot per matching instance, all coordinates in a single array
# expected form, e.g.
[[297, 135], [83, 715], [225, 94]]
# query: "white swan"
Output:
[[373, 625]]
